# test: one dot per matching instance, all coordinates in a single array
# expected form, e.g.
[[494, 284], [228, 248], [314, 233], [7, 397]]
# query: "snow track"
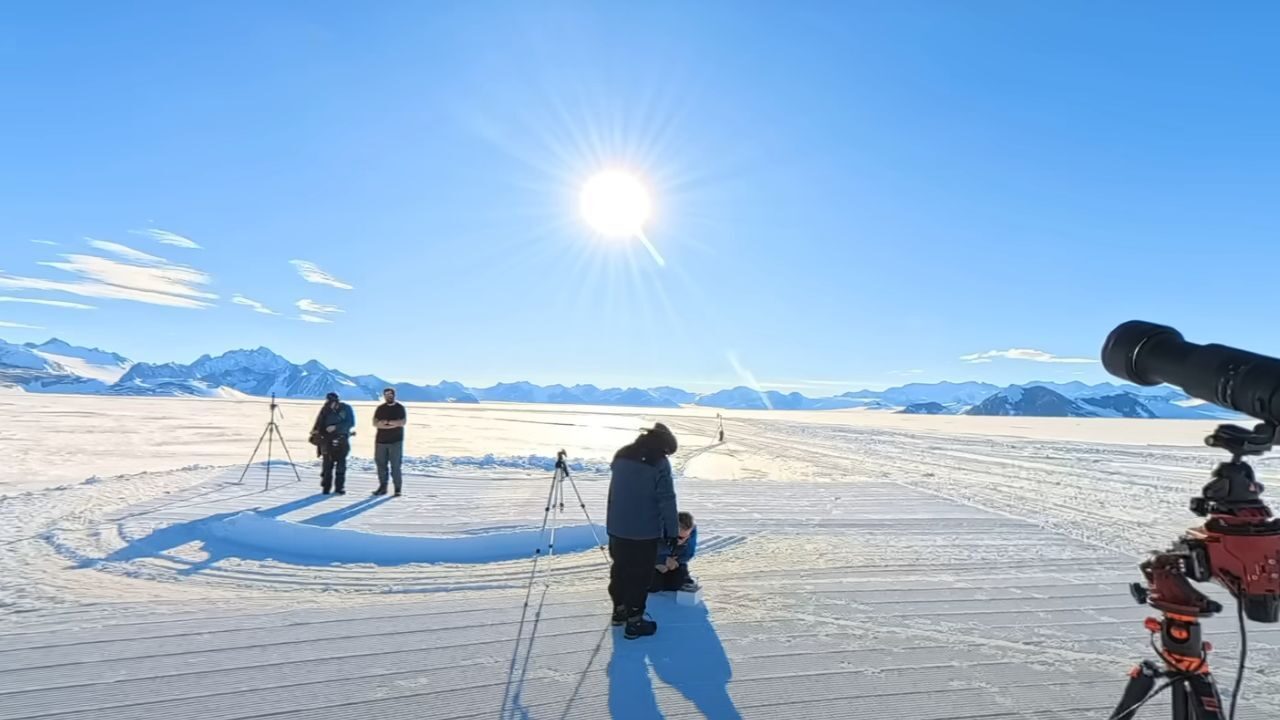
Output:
[[850, 572]]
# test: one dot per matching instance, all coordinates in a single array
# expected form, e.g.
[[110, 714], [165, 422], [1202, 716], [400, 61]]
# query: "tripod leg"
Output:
[[537, 553], [287, 453], [1141, 680], [528, 591], [1201, 696], [254, 453], [591, 524], [533, 572], [1181, 711], [270, 437], [557, 507]]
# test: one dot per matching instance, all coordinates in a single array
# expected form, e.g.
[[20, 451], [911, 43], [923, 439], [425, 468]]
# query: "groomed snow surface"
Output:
[[853, 566]]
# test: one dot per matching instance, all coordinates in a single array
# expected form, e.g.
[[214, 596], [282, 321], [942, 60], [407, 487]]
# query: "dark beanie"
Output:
[[663, 438]]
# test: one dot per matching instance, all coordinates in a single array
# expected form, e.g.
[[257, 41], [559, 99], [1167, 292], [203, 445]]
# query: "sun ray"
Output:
[[653, 251]]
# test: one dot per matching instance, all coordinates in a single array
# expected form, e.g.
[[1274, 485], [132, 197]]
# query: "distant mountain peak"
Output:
[[1034, 401], [57, 346], [21, 357], [926, 408], [1121, 405], [1015, 393]]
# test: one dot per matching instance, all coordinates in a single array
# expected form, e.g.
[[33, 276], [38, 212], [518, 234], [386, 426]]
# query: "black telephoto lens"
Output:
[[1149, 354]]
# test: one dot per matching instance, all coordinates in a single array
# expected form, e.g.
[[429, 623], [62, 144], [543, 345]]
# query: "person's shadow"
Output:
[[332, 518], [160, 542], [686, 654]]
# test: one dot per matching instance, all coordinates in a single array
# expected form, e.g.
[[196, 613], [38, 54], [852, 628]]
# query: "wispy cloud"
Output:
[[50, 303], [257, 306], [127, 252], [1022, 354], [44, 242], [168, 238], [313, 274], [155, 282], [311, 306], [21, 326], [314, 319]]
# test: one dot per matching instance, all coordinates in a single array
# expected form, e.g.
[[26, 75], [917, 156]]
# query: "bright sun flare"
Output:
[[615, 204]]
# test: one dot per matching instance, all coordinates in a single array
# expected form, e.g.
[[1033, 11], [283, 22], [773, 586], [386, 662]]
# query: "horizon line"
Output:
[[705, 387]]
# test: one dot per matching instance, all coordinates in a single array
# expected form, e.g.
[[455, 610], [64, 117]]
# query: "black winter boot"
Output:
[[638, 626]]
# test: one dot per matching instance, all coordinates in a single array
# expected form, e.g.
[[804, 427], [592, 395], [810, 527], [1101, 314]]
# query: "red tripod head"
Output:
[[1242, 554], [1238, 546]]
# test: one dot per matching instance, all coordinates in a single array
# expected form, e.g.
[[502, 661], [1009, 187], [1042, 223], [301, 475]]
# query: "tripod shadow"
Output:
[[159, 542], [686, 654], [512, 705]]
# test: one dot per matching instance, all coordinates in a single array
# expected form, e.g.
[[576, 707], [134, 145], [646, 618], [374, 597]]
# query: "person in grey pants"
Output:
[[390, 419]]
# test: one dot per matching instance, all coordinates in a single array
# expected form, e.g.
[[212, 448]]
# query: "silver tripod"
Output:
[[551, 518], [269, 434]]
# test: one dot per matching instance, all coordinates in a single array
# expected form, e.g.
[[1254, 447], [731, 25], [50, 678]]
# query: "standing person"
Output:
[[332, 437], [390, 419], [642, 512]]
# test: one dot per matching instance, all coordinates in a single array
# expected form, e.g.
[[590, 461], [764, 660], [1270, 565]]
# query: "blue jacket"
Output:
[[344, 418], [684, 552], [642, 499]]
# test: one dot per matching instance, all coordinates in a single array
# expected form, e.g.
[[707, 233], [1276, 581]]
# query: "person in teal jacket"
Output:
[[672, 566], [331, 435]]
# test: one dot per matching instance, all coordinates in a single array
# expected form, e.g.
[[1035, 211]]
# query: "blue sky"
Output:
[[846, 194]]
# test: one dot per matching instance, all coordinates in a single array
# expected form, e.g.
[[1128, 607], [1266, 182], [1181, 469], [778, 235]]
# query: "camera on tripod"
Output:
[[1238, 546]]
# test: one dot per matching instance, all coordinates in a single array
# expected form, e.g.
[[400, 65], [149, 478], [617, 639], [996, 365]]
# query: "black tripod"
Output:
[[1240, 534], [269, 434]]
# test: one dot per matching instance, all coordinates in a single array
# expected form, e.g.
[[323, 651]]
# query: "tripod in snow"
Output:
[[551, 518], [271, 432]]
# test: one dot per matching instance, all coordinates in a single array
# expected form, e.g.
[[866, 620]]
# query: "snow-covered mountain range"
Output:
[[526, 392], [59, 367], [1042, 399]]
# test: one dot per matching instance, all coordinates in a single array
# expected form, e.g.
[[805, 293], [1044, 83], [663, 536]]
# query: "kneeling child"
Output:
[[672, 568]]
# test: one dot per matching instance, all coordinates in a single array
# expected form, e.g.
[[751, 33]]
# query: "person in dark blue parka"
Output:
[[641, 516], [331, 434]]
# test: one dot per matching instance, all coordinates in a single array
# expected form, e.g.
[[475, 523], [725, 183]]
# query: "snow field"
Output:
[[851, 571]]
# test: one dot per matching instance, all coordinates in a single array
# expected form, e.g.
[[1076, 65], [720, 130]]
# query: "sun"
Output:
[[615, 204]]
